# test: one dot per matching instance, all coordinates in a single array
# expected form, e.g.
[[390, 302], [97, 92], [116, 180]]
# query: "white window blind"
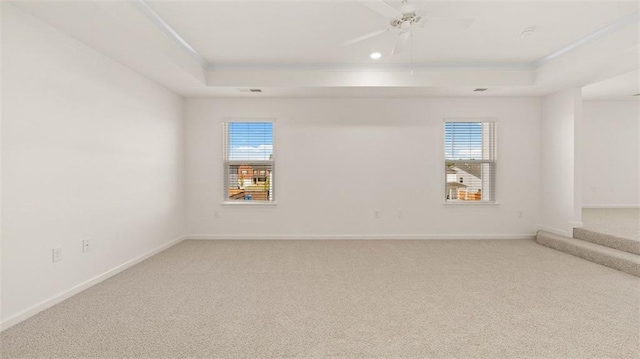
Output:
[[248, 161], [470, 161]]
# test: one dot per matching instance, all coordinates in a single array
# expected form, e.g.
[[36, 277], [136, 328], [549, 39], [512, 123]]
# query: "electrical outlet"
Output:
[[520, 214], [400, 214], [56, 254], [86, 245], [215, 214], [376, 214]]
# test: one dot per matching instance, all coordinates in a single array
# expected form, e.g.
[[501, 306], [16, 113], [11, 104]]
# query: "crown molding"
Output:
[[389, 67], [161, 24], [598, 34], [342, 78]]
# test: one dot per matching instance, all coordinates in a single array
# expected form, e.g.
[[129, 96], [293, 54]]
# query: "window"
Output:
[[248, 161], [470, 161]]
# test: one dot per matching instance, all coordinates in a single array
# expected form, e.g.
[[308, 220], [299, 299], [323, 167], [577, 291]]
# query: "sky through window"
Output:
[[250, 141]]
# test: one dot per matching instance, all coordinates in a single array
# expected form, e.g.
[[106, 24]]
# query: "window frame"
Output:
[[226, 163], [493, 163]]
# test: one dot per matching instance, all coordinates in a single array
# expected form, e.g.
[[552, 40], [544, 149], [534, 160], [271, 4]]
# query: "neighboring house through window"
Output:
[[248, 161], [470, 161]]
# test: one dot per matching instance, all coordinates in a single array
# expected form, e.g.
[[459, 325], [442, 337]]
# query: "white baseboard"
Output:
[[554, 230], [29, 312], [613, 206], [356, 236]]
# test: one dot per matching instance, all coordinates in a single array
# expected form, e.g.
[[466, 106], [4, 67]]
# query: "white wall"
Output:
[[338, 160], [90, 149], [611, 171], [561, 189]]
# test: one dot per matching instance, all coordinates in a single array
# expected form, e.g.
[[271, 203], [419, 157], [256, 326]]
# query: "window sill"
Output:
[[249, 203], [470, 204]]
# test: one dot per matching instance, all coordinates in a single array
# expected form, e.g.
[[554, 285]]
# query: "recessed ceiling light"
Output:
[[375, 55], [528, 32]]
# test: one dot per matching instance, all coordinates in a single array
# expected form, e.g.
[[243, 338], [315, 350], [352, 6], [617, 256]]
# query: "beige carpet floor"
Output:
[[345, 299], [620, 222]]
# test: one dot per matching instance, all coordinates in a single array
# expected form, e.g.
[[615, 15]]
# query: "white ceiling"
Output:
[[309, 32], [292, 48]]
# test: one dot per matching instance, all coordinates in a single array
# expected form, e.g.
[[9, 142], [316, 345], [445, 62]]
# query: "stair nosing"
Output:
[[585, 234], [620, 260], [608, 250]]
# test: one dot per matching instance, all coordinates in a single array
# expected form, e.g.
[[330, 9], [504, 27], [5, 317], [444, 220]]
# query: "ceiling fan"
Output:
[[403, 20]]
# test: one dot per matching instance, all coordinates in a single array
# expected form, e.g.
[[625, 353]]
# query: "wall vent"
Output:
[[480, 89]]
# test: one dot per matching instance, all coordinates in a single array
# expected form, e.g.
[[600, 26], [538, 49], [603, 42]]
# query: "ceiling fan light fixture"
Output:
[[403, 19], [375, 55]]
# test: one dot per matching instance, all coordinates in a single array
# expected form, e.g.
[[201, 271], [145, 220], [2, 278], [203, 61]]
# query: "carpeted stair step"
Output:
[[613, 258], [607, 240]]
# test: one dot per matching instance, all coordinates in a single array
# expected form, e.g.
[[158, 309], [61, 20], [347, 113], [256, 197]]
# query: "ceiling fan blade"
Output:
[[401, 43], [364, 37], [448, 23], [381, 8]]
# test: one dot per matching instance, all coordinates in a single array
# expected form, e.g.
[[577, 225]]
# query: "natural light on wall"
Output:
[[470, 162], [248, 161]]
